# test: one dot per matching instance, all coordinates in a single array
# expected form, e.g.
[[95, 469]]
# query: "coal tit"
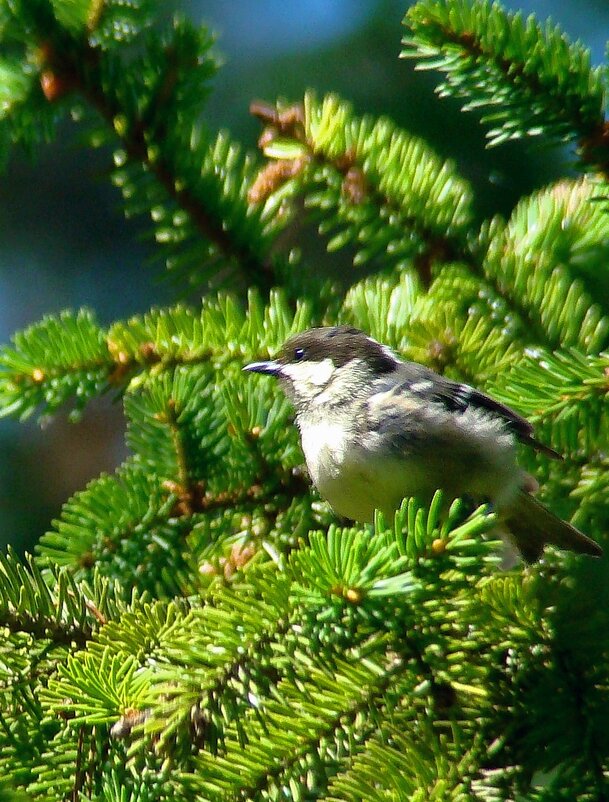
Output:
[[375, 429]]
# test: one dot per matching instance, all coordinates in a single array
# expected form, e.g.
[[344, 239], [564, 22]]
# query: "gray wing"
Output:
[[455, 397]]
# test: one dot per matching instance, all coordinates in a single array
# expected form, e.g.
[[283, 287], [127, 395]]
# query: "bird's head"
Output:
[[327, 365]]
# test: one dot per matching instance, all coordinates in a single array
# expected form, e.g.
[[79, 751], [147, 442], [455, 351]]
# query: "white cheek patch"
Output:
[[309, 374]]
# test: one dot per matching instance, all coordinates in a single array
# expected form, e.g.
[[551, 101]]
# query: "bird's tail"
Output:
[[532, 526]]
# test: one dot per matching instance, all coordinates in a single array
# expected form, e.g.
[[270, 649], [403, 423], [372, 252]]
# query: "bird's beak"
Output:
[[271, 368]]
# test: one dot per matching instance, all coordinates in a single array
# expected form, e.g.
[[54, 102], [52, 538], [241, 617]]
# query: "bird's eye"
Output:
[[299, 354]]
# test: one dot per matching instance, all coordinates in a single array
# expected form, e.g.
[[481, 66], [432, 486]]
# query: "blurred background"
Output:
[[66, 243]]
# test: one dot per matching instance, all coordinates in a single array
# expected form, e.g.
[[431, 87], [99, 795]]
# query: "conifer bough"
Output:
[[528, 77], [197, 625]]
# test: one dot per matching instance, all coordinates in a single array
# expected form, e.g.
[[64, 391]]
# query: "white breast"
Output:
[[345, 473], [324, 444]]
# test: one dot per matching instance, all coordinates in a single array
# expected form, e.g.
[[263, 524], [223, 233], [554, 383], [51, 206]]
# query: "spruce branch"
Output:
[[392, 198], [226, 662], [537, 624], [175, 427], [213, 658], [401, 764], [71, 765], [69, 357], [165, 495], [530, 77], [105, 22], [224, 332], [590, 492], [548, 262], [203, 181], [134, 519], [248, 645], [52, 361], [113, 683], [316, 727], [58, 610], [329, 708], [565, 392], [118, 521], [592, 750], [405, 185]]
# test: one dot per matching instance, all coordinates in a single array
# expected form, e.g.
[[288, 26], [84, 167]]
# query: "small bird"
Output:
[[375, 429]]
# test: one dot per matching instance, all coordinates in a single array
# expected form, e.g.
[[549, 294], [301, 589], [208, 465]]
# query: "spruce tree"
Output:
[[198, 625]]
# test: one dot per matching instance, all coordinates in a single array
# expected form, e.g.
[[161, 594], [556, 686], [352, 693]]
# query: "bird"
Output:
[[375, 429]]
